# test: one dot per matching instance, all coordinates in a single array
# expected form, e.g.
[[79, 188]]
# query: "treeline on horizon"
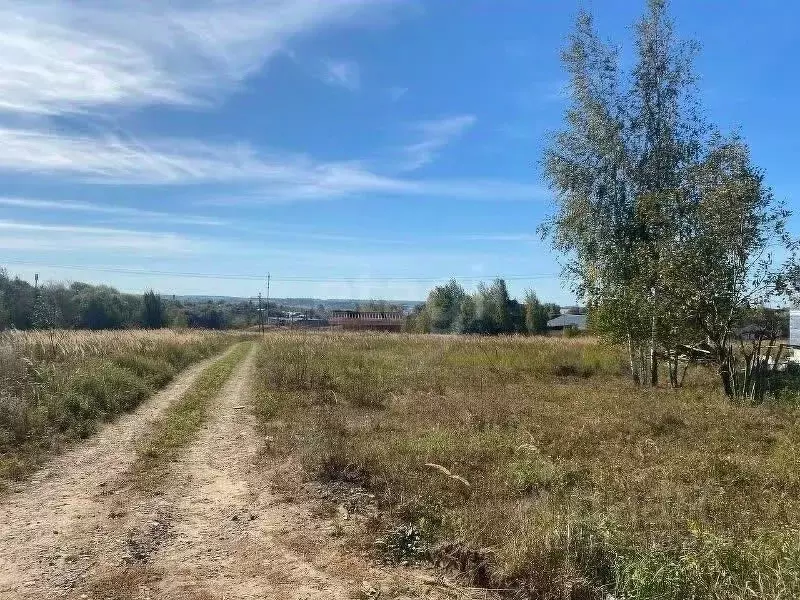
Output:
[[489, 310], [80, 305]]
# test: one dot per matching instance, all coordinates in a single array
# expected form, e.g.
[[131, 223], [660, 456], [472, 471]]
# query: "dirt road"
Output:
[[62, 507], [215, 531]]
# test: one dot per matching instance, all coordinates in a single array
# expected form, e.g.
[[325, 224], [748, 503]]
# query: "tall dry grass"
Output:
[[534, 464], [56, 386]]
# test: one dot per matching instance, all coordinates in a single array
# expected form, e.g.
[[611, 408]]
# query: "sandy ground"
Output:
[[216, 530]]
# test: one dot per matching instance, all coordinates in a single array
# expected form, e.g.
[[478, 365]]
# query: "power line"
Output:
[[287, 279]]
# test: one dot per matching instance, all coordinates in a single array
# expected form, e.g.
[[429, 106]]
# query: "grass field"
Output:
[[58, 386], [534, 464]]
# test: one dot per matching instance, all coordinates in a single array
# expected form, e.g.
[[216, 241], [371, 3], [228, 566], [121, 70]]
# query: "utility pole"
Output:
[[268, 299], [260, 315]]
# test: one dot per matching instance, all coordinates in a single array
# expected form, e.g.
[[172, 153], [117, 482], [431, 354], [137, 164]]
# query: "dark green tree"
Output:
[[154, 315]]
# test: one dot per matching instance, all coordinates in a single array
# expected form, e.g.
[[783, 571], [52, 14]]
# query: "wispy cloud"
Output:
[[120, 211], [38, 237], [58, 56], [113, 159], [273, 177], [342, 73], [435, 136]]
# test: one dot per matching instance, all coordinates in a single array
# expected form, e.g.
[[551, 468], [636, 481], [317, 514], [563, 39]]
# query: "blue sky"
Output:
[[351, 148]]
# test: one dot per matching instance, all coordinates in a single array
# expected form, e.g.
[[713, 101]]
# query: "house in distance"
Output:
[[563, 322]]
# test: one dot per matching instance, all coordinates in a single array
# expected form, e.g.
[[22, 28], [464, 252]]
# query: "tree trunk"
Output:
[[673, 368], [727, 370], [727, 380], [632, 358], [653, 349]]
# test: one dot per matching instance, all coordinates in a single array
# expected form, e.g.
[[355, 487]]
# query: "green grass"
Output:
[[578, 483], [56, 387], [182, 420]]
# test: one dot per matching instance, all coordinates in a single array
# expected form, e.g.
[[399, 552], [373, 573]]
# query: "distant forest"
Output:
[[84, 306]]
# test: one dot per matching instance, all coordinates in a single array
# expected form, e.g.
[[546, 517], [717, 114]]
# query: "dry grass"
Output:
[[58, 386], [552, 474]]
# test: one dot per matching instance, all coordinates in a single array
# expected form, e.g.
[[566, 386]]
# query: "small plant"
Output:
[[403, 544]]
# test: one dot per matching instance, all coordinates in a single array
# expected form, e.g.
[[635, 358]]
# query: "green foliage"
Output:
[[536, 314], [153, 313], [443, 306], [668, 228], [488, 311]]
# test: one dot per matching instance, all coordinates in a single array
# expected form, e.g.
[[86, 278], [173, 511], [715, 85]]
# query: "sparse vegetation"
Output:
[[536, 464], [57, 386]]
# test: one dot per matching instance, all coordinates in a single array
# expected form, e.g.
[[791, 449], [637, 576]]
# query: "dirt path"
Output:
[[60, 509], [223, 534], [215, 532]]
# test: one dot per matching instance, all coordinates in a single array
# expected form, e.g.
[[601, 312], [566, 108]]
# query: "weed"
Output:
[[403, 544]]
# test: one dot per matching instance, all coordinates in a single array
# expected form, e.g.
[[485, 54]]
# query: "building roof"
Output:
[[578, 321]]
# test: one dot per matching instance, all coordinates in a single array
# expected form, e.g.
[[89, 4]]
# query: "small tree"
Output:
[[728, 266], [536, 315], [619, 169], [46, 314], [154, 315], [443, 305]]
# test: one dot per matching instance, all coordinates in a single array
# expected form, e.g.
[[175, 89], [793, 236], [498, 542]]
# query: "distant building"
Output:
[[794, 328], [366, 320], [563, 322]]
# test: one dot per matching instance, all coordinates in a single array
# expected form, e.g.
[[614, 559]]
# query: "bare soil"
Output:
[[217, 530]]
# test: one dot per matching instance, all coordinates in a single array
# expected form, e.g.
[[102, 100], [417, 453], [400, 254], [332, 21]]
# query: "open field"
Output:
[[534, 464], [58, 386], [341, 465], [175, 501]]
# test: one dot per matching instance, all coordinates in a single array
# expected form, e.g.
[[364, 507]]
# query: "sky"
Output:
[[350, 148]]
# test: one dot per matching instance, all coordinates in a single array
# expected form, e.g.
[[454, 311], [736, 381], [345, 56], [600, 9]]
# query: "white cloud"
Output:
[[435, 136], [273, 177], [59, 56], [342, 73], [38, 237], [120, 211], [112, 159]]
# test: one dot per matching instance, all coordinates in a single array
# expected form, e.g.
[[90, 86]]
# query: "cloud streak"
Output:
[[59, 57], [118, 211], [270, 177], [23, 236], [435, 136]]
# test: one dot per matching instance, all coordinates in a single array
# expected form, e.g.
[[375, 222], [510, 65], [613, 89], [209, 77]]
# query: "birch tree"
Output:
[[618, 170]]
